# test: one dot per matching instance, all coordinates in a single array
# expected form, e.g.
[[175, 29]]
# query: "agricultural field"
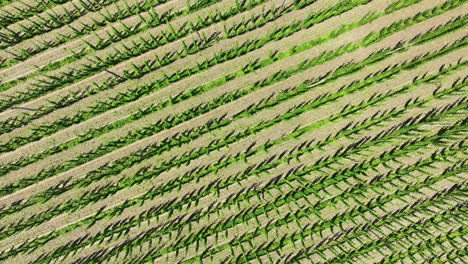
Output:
[[233, 131]]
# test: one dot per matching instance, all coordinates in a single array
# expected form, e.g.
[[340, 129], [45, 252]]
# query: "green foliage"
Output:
[[378, 171]]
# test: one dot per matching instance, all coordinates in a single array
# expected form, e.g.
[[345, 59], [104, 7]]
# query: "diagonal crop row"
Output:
[[217, 59], [153, 19], [338, 218], [9, 17], [99, 64], [290, 239], [156, 213], [456, 210], [150, 255], [195, 46], [218, 186], [54, 127], [136, 116], [88, 183], [104, 171], [450, 237], [232, 131], [139, 45], [244, 219], [420, 206], [417, 227], [212, 229], [66, 77], [43, 23]]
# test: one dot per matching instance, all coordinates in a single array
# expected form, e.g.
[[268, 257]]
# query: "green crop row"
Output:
[[124, 206], [414, 228], [138, 71], [120, 123], [92, 178], [136, 49], [157, 107], [400, 4], [456, 210], [344, 255], [421, 206], [306, 171], [217, 187], [98, 64], [52, 82], [231, 202], [7, 18], [248, 214], [94, 134], [107, 128], [387, 178], [335, 221], [52, 66], [460, 232], [104, 171], [164, 37], [155, 19], [51, 20], [46, 239]]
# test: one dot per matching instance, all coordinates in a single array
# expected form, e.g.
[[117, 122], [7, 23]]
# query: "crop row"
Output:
[[439, 201], [123, 228], [449, 236], [218, 186], [136, 46], [95, 133], [293, 195], [44, 23], [201, 134], [114, 33], [238, 218], [39, 217], [149, 66], [97, 64], [9, 17], [101, 19], [408, 231], [59, 79], [417, 227], [104, 171], [148, 110], [253, 68]]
